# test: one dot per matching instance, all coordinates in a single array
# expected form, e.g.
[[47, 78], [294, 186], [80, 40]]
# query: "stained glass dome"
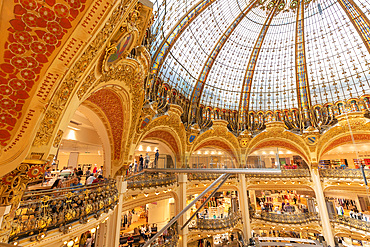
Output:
[[260, 55]]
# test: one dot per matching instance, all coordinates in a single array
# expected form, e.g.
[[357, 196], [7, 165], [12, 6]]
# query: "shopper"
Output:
[[90, 179], [141, 163], [47, 174], [351, 213], [156, 159], [88, 172], [76, 182], [57, 184], [147, 160], [79, 172], [130, 240], [143, 231], [99, 179], [100, 171], [129, 219], [135, 166]]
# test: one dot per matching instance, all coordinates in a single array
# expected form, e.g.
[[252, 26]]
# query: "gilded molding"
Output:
[[278, 133], [58, 139], [218, 132], [12, 188], [358, 125], [74, 77]]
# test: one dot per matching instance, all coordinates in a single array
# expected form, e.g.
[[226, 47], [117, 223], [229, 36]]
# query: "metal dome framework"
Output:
[[250, 62]]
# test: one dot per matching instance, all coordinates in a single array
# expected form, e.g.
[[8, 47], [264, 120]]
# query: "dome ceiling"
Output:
[[255, 54]]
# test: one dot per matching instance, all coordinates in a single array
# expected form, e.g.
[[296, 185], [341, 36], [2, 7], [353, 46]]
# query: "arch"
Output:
[[343, 231], [218, 136], [276, 135], [221, 144], [98, 122], [200, 189], [168, 137], [99, 103], [345, 139], [130, 204], [111, 104], [279, 143], [263, 186]]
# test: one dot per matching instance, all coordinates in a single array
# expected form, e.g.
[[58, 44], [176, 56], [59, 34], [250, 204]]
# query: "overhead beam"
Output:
[[199, 85], [174, 219], [248, 77], [264, 171], [175, 33], [206, 201], [358, 19], [303, 90]]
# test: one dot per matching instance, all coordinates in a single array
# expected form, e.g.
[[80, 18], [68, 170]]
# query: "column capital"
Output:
[[183, 178]]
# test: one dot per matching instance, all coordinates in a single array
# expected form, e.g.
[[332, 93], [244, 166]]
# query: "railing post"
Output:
[[244, 206], [183, 234], [121, 187], [323, 211]]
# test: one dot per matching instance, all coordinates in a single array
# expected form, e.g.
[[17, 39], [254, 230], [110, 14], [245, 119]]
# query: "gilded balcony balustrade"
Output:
[[41, 211], [285, 173], [171, 243], [344, 173], [205, 176], [216, 224], [300, 218], [351, 222], [150, 180]]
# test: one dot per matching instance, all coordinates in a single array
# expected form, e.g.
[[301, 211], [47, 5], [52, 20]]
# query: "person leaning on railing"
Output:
[[76, 183], [130, 240], [100, 179]]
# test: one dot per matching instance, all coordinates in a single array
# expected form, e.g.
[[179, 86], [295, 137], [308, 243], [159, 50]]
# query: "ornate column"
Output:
[[323, 211], [13, 186], [101, 235], [114, 225], [183, 234], [244, 206]]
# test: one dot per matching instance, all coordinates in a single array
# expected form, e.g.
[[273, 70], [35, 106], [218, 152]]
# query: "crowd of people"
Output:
[[355, 214], [73, 178], [144, 162]]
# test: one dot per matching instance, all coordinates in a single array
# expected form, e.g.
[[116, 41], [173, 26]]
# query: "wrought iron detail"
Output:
[[41, 211], [150, 180], [216, 224]]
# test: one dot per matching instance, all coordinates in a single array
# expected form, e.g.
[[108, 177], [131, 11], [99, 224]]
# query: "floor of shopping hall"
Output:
[[184, 123]]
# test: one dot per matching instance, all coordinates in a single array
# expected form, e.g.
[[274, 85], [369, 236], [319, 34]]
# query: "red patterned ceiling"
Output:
[[35, 32], [111, 105], [165, 136]]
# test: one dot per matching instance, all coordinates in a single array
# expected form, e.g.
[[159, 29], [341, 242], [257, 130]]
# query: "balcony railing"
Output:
[[170, 243], [285, 173], [344, 173], [205, 176], [41, 211], [217, 224], [150, 180], [287, 218], [351, 222]]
